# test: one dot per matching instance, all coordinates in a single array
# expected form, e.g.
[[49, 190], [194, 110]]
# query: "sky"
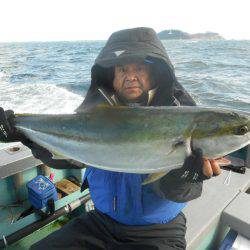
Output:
[[70, 20]]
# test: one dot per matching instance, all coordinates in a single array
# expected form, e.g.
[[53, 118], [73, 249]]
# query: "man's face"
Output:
[[131, 80]]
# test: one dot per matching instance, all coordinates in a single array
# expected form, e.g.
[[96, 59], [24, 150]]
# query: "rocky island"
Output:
[[178, 34]]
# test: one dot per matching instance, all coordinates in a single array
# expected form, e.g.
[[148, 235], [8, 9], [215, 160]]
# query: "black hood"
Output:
[[132, 45], [137, 45]]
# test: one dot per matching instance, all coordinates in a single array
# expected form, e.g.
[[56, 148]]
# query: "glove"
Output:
[[192, 169], [185, 183], [8, 132]]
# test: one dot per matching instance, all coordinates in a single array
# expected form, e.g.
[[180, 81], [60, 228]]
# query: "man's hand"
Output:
[[196, 168], [211, 167], [8, 132]]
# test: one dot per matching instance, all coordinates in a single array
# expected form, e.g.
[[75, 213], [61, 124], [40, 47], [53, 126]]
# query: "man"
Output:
[[132, 69]]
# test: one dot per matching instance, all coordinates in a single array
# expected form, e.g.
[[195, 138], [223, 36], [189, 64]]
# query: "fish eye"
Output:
[[242, 130]]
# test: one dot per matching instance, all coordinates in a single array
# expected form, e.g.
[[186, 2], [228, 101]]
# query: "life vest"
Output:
[[123, 197]]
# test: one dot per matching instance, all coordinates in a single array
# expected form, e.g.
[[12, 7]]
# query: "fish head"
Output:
[[219, 133]]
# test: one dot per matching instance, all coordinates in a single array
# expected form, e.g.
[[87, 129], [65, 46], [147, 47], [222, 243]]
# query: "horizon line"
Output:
[[103, 40]]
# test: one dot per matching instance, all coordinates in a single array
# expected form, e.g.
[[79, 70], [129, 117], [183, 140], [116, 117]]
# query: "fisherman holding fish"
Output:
[[133, 69]]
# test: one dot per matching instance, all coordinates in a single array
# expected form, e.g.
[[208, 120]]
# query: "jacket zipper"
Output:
[[115, 203]]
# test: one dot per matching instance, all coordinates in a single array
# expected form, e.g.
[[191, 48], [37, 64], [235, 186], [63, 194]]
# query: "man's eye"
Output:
[[141, 68], [121, 69]]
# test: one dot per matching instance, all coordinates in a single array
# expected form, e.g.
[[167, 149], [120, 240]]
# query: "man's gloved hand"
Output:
[[8, 133], [185, 183], [195, 168]]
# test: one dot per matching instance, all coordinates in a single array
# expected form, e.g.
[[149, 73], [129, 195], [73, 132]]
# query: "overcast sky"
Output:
[[57, 20]]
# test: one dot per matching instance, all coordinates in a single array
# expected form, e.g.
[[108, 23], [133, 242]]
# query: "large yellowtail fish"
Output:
[[138, 140]]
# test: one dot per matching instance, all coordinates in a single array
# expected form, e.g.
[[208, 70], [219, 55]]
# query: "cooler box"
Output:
[[40, 190]]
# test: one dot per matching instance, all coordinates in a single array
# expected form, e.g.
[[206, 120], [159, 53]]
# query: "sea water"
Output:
[[53, 77]]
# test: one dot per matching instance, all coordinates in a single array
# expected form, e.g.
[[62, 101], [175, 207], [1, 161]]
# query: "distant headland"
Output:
[[178, 34]]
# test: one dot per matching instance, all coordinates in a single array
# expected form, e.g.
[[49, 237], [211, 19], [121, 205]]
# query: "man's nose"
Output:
[[131, 75]]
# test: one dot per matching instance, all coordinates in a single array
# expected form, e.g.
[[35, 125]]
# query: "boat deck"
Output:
[[204, 215], [206, 223]]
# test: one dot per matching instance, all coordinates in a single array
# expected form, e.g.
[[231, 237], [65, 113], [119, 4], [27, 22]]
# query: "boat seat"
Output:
[[236, 215], [204, 214], [15, 158]]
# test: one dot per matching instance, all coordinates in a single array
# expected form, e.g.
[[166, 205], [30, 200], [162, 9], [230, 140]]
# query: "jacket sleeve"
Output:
[[172, 189], [62, 164]]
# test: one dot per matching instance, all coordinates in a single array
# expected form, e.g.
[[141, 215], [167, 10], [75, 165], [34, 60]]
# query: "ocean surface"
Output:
[[53, 77]]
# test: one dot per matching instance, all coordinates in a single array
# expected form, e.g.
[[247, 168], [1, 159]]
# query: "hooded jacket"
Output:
[[135, 45], [121, 195]]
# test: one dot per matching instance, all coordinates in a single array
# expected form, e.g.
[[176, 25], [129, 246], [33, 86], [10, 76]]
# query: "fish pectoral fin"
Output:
[[171, 151], [182, 144], [174, 148], [154, 177]]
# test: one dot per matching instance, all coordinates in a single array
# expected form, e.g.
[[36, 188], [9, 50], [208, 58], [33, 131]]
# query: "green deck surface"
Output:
[[13, 202], [29, 240]]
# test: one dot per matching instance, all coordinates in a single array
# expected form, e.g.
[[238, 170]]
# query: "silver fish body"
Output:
[[138, 140]]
